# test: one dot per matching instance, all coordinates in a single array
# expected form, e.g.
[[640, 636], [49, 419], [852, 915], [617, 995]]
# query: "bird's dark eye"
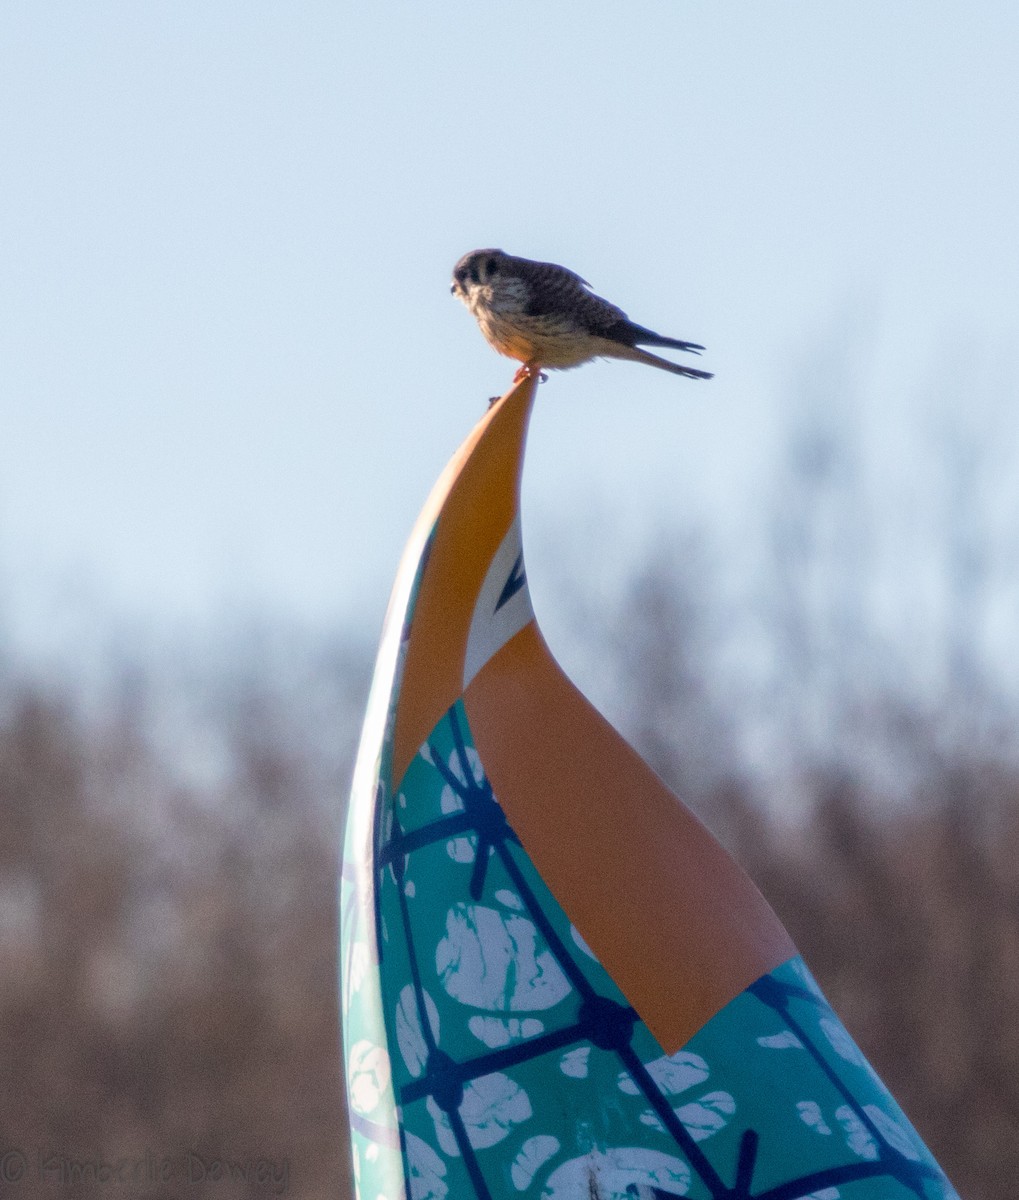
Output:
[[492, 265]]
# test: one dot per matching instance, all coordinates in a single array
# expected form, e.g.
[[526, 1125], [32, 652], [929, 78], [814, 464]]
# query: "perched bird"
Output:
[[546, 316]]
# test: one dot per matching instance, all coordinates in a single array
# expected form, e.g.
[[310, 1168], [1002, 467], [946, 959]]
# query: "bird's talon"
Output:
[[529, 371]]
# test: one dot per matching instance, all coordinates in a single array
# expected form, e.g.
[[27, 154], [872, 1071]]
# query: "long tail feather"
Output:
[[653, 360], [655, 339], [629, 333]]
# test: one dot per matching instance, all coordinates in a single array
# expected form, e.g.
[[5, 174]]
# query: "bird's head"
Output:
[[477, 269]]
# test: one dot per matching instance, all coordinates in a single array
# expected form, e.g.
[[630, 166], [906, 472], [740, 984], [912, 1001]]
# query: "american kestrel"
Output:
[[546, 316]]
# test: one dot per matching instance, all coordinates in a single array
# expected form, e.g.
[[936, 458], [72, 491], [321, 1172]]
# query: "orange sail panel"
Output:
[[636, 872]]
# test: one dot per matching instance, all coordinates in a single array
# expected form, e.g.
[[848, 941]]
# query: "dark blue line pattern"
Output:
[[602, 1024], [516, 580]]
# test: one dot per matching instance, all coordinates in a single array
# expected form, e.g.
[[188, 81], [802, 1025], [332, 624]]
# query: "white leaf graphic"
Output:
[[534, 1153], [811, 1116], [574, 1062], [495, 1032], [858, 1137], [841, 1042], [673, 1074], [786, 1040], [707, 1115], [490, 960], [491, 1106], [894, 1134], [409, 1037], [426, 1171], [368, 1075]]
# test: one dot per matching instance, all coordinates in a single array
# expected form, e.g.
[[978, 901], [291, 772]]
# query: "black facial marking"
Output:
[[492, 265], [475, 275]]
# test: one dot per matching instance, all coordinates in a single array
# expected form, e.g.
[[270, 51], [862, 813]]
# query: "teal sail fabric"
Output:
[[490, 1056]]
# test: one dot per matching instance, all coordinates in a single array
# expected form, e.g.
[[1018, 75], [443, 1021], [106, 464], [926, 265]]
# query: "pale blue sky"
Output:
[[230, 366]]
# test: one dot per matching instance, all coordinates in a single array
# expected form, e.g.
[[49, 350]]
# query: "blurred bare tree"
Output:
[[168, 1013]]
